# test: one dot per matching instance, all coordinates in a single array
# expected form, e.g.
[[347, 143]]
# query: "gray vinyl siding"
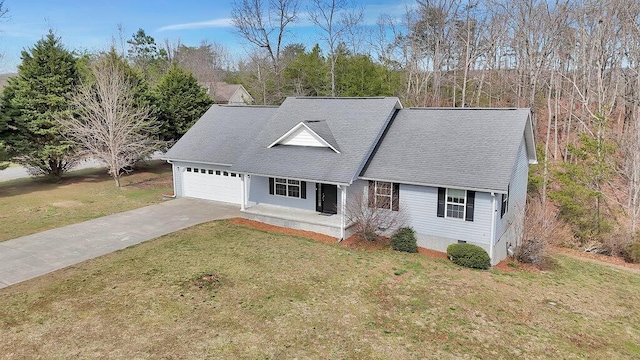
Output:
[[509, 228], [259, 194], [421, 203]]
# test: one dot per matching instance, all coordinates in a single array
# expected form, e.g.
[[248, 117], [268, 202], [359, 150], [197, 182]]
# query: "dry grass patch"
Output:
[[222, 291], [32, 205]]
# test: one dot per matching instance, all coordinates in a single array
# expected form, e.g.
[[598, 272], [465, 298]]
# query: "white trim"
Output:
[[294, 178], [287, 185], [313, 133], [243, 193], [446, 204], [197, 162], [343, 205], [434, 185]]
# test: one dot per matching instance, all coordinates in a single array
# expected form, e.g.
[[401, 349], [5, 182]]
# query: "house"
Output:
[[458, 174], [231, 94]]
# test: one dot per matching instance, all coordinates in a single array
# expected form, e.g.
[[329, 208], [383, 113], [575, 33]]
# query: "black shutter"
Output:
[[503, 206], [395, 197], [271, 186], [303, 189], [471, 199], [371, 200], [441, 195]]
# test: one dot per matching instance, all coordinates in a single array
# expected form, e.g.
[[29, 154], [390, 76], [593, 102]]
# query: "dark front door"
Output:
[[327, 198]]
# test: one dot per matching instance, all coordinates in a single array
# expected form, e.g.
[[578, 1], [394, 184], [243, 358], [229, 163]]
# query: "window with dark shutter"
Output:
[[303, 189], [471, 198], [395, 202], [441, 201], [288, 188], [371, 200]]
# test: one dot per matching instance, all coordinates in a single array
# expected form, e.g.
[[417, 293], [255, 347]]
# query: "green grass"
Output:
[[28, 206], [222, 291]]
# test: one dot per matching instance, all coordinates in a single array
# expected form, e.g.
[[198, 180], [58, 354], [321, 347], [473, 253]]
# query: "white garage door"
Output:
[[212, 184]]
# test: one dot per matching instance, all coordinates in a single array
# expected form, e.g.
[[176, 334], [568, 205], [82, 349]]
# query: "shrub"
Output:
[[405, 240], [531, 251], [631, 252], [469, 255]]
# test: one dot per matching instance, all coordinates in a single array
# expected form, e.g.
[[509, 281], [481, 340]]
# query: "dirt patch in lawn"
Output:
[[66, 204]]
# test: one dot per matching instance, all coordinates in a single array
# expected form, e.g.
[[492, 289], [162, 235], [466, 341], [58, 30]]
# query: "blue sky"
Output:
[[91, 24]]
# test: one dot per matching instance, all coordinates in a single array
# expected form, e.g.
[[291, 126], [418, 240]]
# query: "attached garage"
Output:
[[211, 183]]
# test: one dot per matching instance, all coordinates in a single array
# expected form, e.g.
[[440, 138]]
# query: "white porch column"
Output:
[[243, 197], [343, 211]]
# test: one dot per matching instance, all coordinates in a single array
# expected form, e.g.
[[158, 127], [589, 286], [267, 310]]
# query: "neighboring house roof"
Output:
[[352, 125], [223, 93], [221, 134], [452, 147]]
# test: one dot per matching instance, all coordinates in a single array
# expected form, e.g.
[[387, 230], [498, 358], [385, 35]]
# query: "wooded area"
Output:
[[574, 63]]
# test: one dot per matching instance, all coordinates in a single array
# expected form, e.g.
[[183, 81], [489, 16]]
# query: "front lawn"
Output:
[[28, 206], [219, 290]]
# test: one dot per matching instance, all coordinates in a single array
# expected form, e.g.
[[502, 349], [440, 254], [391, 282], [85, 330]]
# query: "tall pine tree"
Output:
[[181, 101], [32, 103]]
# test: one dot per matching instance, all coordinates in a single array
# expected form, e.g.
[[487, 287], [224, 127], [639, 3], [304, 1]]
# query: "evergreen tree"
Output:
[[181, 101], [33, 101], [145, 56], [307, 74], [580, 197]]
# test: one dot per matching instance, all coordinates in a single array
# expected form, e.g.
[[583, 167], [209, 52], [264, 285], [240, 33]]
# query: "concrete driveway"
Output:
[[30, 256]]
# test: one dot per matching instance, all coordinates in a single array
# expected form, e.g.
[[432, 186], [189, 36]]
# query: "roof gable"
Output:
[[347, 128], [303, 135], [452, 147]]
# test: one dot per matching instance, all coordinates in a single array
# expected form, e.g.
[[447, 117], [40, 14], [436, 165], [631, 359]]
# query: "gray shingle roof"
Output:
[[321, 128], [221, 134], [467, 148], [355, 125]]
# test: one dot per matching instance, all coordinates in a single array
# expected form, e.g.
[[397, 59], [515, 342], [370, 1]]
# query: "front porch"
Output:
[[328, 224]]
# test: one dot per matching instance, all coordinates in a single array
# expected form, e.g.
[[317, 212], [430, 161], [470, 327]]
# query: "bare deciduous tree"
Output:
[[108, 123], [334, 18], [370, 219], [264, 24]]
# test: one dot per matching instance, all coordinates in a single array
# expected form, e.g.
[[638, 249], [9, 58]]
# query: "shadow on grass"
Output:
[[91, 175]]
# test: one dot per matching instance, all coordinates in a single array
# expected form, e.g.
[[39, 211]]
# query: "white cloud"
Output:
[[214, 23]]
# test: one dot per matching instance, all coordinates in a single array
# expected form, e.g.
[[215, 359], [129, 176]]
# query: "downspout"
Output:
[[493, 226]]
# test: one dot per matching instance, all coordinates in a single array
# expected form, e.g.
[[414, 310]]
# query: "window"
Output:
[[384, 195], [225, 173], [188, 169], [233, 174], [505, 203], [195, 170], [456, 200], [217, 172], [456, 203], [288, 188], [203, 171], [210, 172]]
